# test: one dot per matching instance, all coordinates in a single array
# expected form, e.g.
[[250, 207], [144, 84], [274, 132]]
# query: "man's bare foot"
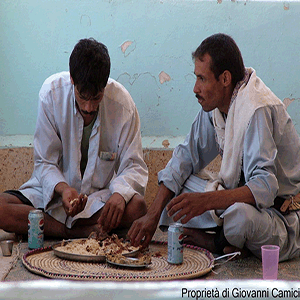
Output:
[[203, 239], [200, 238]]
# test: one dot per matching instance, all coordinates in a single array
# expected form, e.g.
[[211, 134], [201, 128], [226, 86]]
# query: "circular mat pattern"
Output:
[[196, 262]]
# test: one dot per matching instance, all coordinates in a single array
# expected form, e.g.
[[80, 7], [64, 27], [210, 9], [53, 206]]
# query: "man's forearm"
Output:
[[225, 198], [163, 196], [190, 205], [60, 187]]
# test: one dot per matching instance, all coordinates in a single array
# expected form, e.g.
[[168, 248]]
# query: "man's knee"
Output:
[[6, 199], [3, 198], [136, 207], [239, 223], [139, 203], [241, 214]]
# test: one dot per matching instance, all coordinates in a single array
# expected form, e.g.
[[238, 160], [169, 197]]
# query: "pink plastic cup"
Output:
[[270, 259]]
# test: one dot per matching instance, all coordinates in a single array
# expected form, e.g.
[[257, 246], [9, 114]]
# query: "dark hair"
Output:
[[89, 67], [225, 55]]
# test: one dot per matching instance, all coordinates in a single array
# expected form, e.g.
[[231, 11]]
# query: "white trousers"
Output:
[[245, 225]]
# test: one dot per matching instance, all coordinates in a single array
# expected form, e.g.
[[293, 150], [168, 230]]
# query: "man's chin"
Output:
[[203, 106], [202, 103], [206, 109]]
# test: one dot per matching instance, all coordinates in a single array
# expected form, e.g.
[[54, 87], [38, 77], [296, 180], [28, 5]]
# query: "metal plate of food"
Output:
[[128, 262], [133, 266], [89, 250]]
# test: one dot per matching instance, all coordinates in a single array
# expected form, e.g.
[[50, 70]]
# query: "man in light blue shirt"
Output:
[[242, 120]]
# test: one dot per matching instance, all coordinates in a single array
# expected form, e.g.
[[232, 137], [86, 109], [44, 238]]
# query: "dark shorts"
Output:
[[20, 196]]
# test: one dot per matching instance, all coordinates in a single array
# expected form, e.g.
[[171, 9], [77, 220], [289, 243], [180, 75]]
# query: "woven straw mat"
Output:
[[196, 262]]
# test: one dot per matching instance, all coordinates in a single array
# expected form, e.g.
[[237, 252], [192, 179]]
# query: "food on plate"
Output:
[[75, 200], [119, 259], [92, 246], [157, 254]]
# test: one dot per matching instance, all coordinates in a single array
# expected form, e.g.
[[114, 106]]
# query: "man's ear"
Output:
[[72, 81], [226, 78]]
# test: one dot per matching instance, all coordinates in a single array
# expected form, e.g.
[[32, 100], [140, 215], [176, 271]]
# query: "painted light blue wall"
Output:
[[37, 37]]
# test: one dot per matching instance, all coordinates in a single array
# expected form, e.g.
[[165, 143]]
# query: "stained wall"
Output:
[[150, 44]]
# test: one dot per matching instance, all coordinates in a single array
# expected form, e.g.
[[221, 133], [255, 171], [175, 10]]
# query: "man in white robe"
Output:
[[87, 142], [248, 125]]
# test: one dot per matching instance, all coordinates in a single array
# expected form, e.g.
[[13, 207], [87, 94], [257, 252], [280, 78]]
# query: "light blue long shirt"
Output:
[[271, 156], [271, 168]]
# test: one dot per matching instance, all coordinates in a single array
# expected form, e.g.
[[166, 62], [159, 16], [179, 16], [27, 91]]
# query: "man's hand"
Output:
[[142, 230], [68, 195], [189, 205], [112, 212], [78, 205]]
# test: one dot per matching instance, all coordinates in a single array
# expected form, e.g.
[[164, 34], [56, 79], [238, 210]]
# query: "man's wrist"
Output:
[[60, 187], [120, 196]]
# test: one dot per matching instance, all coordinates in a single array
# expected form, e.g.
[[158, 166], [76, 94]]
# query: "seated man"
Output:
[[248, 125], [87, 142]]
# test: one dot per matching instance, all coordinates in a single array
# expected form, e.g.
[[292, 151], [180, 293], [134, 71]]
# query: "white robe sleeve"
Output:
[[194, 154], [47, 151], [131, 170], [259, 159]]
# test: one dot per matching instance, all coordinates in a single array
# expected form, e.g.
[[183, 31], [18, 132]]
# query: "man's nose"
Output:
[[196, 88], [88, 106]]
